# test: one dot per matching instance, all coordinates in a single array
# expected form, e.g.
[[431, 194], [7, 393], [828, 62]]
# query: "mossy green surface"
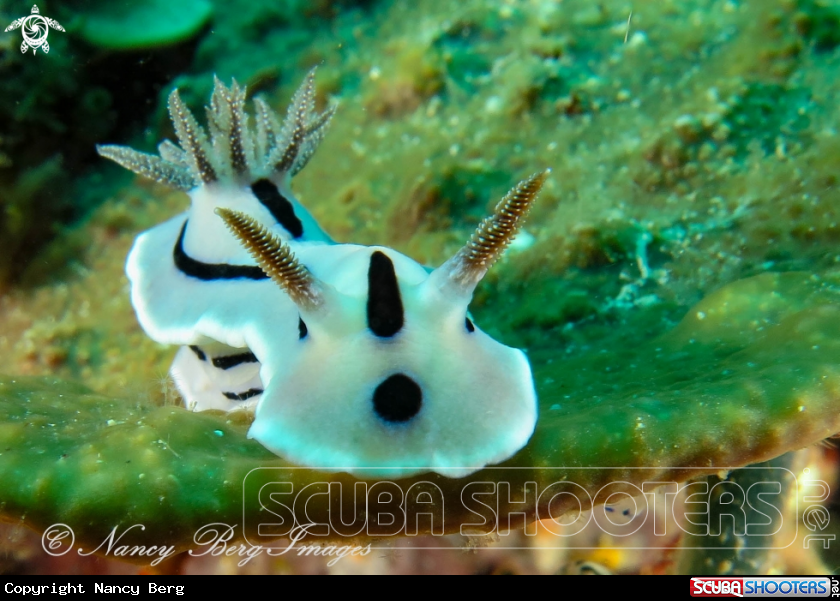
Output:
[[138, 25], [751, 372]]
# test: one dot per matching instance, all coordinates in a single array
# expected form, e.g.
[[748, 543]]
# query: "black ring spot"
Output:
[[278, 205], [384, 305], [397, 399]]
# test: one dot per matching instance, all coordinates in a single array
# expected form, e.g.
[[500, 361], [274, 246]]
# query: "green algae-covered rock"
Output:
[[751, 372], [146, 24]]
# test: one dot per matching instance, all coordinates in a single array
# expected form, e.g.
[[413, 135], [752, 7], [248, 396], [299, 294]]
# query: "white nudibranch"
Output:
[[353, 358]]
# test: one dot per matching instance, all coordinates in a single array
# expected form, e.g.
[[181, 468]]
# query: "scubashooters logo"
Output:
[[763, 587], [35, 29], [660, 511]]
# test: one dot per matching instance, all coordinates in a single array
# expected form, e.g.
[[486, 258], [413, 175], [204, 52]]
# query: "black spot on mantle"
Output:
[[397, 399]]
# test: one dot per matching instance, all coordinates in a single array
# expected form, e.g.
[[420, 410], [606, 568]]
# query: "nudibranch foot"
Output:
[[215, 376]]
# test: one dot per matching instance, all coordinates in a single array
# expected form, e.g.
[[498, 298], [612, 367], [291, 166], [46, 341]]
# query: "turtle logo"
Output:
[[35, 29]]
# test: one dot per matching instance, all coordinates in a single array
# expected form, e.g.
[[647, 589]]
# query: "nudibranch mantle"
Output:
[[353, 358]]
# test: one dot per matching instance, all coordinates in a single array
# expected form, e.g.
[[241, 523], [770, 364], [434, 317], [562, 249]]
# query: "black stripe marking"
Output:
[[198, 353], [302, 329], [278, 205], [243, 396], [229, 361], [384, 305], [211, 271]]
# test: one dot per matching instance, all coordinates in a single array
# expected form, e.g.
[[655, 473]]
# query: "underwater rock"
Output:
[[735, 552], [714, 142], [147, 24], [749, 374]]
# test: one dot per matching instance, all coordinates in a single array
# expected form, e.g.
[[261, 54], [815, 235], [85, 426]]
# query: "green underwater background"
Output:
[[676, 287]]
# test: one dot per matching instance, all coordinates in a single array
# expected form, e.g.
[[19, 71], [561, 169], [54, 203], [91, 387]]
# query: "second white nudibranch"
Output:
[[354, 358]]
